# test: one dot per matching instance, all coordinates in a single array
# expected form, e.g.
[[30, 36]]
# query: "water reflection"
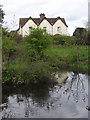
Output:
[[65, 100]]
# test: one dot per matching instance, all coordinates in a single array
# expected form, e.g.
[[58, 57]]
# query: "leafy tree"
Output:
[[81, 36], [8, 44], [64, 40], [1, 14], [38, 40]]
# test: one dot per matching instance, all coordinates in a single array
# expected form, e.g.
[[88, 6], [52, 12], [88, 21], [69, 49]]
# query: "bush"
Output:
[[27, 53], [18, 38], [81, 35], [37, 73], [8, 45], [19, 73], [70, 40], [38, 40], [13, 72], [63, 40]]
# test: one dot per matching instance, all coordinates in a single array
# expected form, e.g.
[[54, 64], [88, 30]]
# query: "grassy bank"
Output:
[[70, 57], [35, 57]]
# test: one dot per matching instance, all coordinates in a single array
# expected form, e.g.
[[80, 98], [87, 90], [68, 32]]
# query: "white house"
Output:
[[52, 26]]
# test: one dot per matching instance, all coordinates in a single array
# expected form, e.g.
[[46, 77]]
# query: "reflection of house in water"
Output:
[[61, 77]]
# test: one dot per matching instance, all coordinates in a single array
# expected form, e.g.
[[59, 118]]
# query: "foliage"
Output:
[[66, 57], [38, 72], [81, 35], [8, 44], [14, 72], [70, 40], [35, 58], [27, 67], [18, 38], [63, 40], [38, 40], [27, 53], [1, 14], [19, 73]]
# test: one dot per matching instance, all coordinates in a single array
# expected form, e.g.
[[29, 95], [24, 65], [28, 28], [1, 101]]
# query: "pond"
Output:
[[61, 100]]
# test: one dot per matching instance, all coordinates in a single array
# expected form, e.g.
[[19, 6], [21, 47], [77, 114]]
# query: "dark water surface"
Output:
[[66, 100]]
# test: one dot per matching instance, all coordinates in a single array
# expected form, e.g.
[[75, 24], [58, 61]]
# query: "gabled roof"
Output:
[[22, 21], [37, 21]]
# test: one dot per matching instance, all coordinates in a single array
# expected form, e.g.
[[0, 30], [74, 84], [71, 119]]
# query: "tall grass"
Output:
[[68, 57]]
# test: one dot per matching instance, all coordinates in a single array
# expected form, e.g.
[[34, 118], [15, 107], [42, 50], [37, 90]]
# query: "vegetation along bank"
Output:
[[35, 57]]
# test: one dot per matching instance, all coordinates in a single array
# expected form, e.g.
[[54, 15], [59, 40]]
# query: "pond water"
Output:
[[65, 100]]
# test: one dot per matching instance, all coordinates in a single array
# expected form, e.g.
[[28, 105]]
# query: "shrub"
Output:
[[58, 39], [18, 73], [18, 38], [13, 72], [8, 45], [81, 35], [70, 40], [38, 40], [38, 72], [63, 40], [27, 53]]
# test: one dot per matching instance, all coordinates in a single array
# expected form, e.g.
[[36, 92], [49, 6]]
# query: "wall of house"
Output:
[[46, 24], [25, 29], [50, 29], [63, 28]]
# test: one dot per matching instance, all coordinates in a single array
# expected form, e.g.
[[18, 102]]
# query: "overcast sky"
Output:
[[75, 12]]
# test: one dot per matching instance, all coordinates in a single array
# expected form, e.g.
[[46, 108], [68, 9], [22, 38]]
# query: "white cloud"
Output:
[[75, 12]]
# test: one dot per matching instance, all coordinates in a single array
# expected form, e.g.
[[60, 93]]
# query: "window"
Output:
[[59, 29], [45, 29], [30, 28]]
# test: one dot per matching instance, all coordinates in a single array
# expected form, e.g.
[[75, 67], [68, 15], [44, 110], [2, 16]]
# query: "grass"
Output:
[[72, 57], [64, 51]]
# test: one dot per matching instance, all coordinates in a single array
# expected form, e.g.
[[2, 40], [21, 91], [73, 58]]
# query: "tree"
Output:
[[81, 35], [38, 40], [8, 45], [1, 14]]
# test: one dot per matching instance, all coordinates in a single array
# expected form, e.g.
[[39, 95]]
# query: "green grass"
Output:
[[64, 51], [74, 57]]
